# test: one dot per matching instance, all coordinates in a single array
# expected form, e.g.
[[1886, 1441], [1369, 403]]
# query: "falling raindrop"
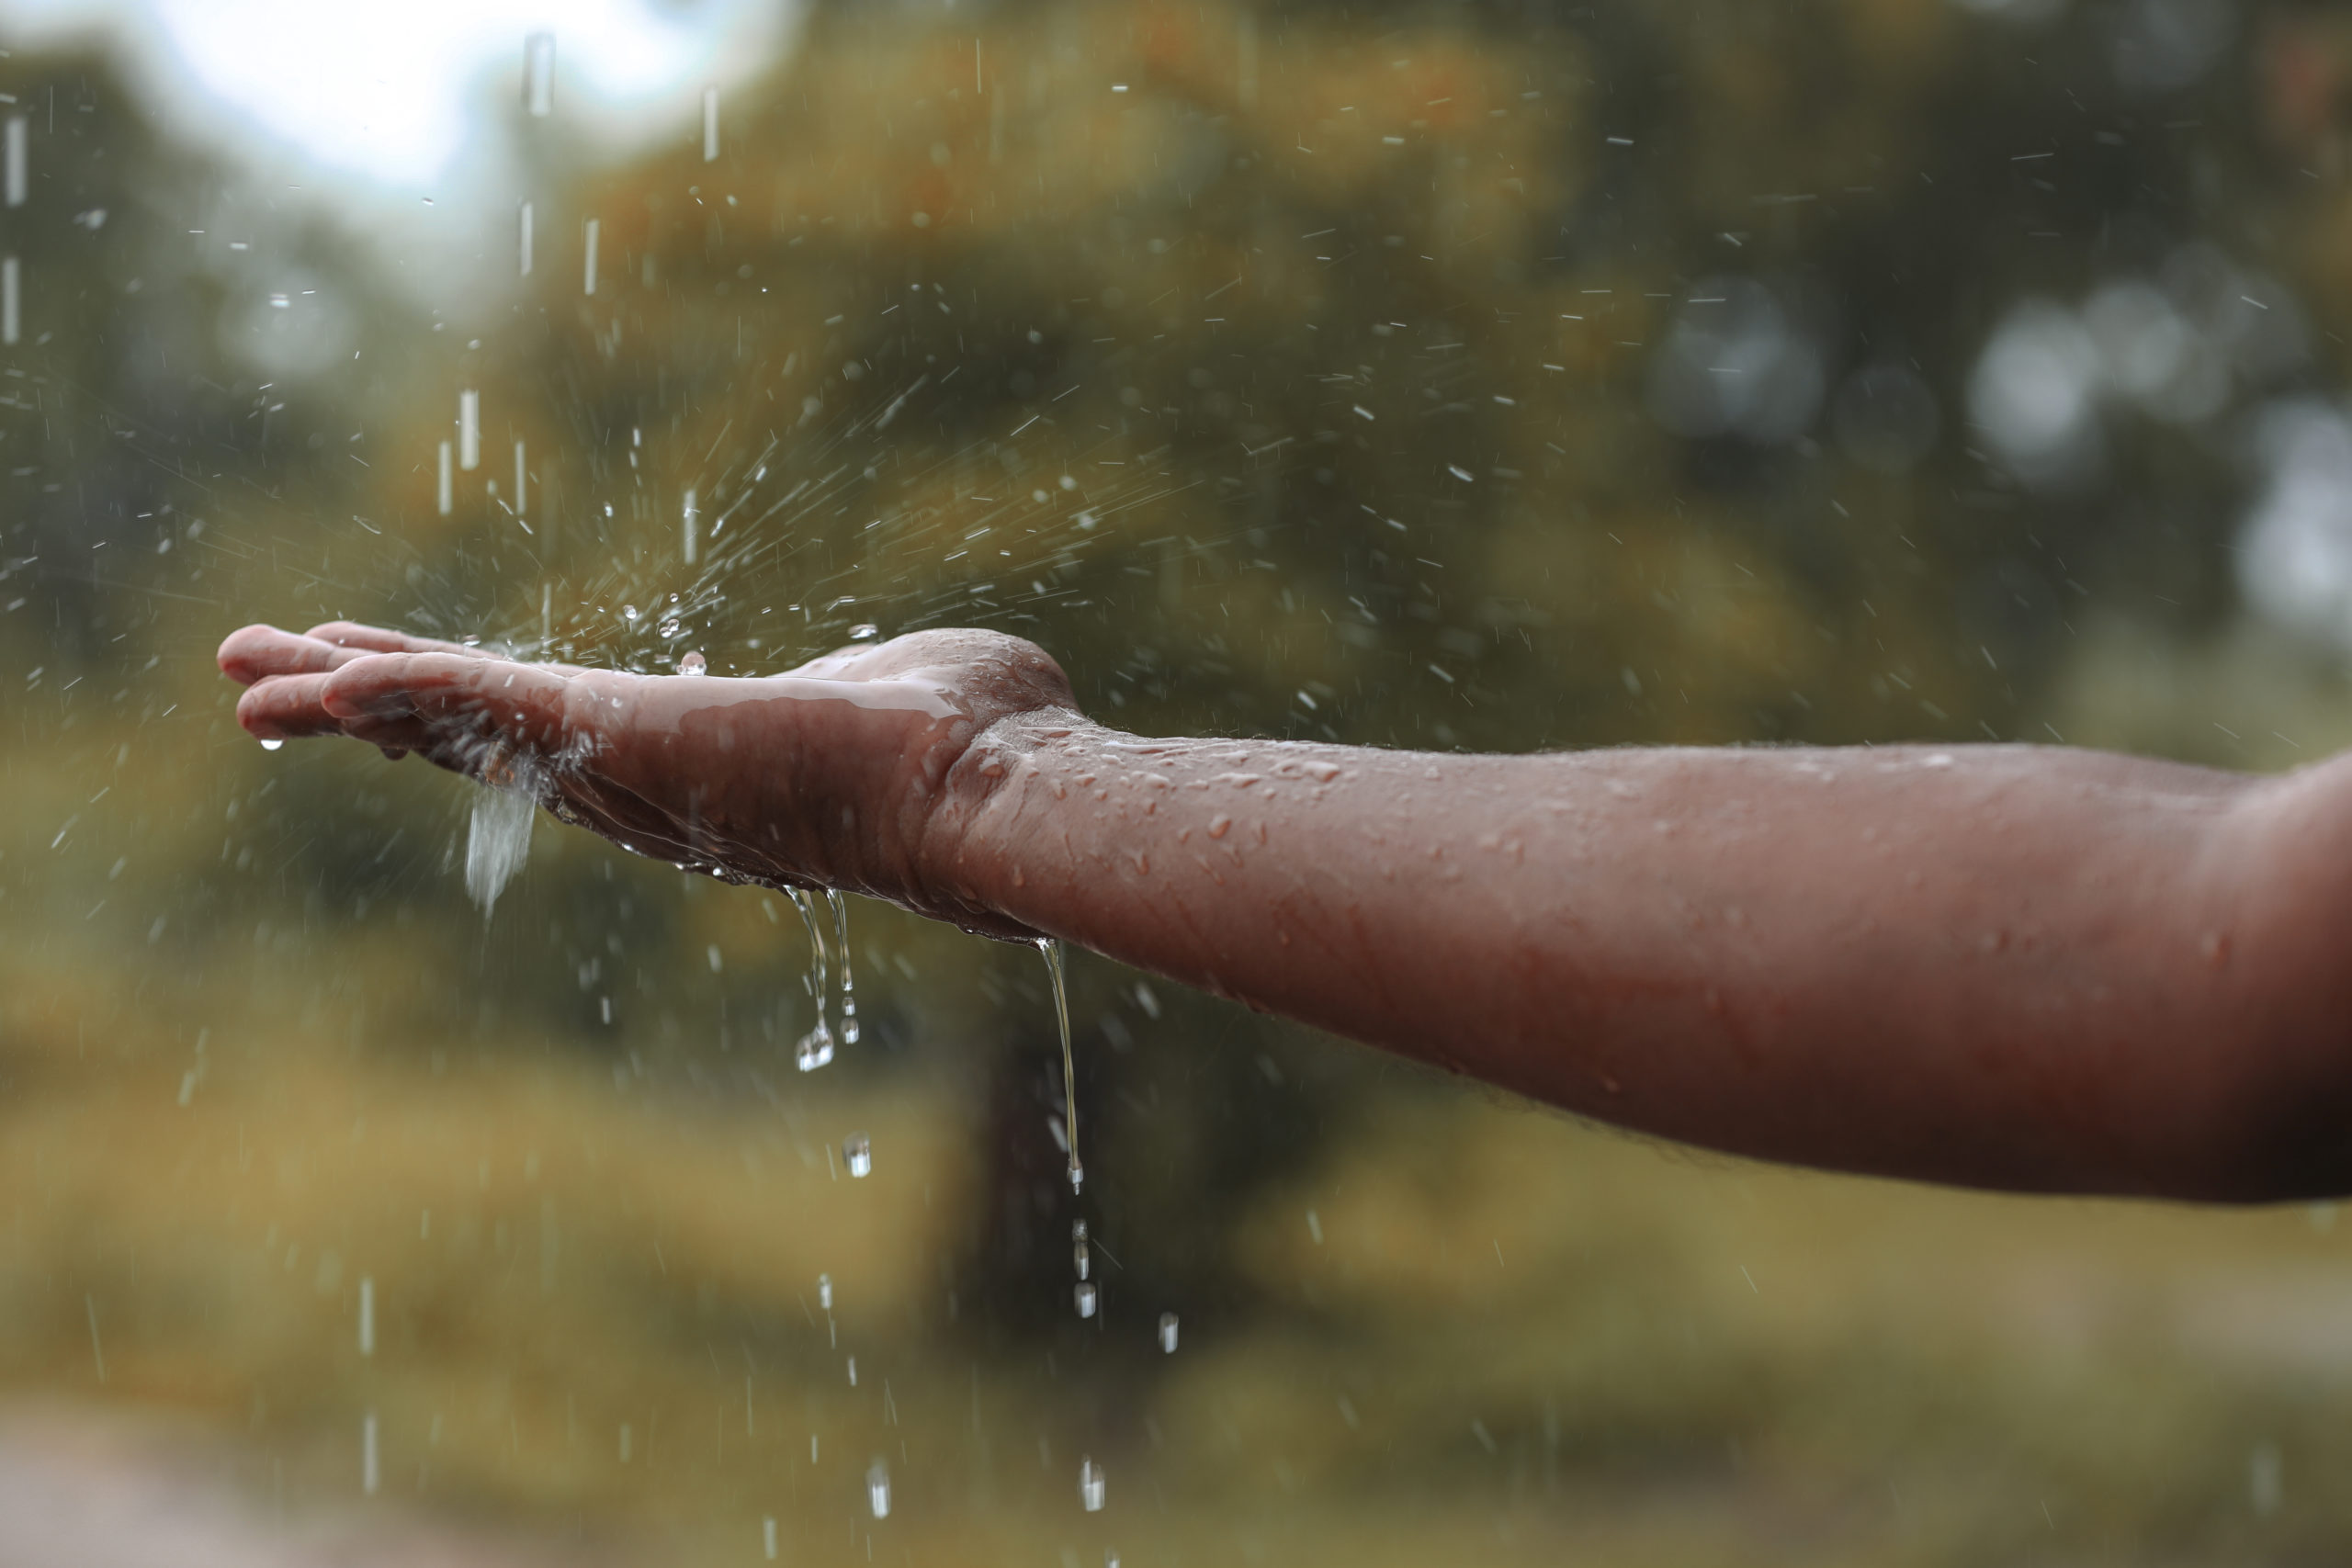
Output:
[[711, 125], [523, 244], [825, 1292], [468, 430], [1080, 1259], [670, 628], [857, 1152], [877, 1488], [1087, 1299], [271, 745], [1089, 1486], [588, 280], [538, 82], [693, 664], [449, 484], [628, 613], [370, 1470], [16, 182], [1168, 1332]]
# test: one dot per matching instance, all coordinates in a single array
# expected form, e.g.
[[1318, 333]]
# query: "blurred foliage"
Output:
[[1294, 370]]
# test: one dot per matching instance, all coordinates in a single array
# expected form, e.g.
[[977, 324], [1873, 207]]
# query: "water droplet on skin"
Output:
[[1168, 1332], [857, 1152], [1087, 1299], [825, 1293], [271, 745], [878, 1489], [1089, 1486], [628, 613], [693, 664], [866, 632]]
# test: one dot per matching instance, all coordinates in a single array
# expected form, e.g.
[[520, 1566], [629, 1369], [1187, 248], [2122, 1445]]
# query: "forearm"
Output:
[[2001, 967]]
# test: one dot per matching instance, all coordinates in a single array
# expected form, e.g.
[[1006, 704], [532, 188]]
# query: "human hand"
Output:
[[832, 774]]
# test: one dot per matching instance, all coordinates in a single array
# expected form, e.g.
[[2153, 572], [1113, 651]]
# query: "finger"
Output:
[[415, 700], [257, 653], [383, 640], [287, 707]]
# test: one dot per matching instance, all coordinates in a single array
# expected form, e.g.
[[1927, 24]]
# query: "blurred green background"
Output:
[[1477, 376]]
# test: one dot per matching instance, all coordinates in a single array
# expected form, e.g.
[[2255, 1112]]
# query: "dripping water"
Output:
[[1052, 951], [816, 1047], [849, 980]]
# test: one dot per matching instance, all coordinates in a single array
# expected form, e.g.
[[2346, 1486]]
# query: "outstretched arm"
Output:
[[2003, 966]]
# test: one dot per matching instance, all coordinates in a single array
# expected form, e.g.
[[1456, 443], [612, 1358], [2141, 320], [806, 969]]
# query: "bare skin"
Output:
[[2015, 967]]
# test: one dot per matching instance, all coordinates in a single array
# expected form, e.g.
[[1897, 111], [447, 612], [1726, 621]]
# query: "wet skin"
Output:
[[2018, 967]]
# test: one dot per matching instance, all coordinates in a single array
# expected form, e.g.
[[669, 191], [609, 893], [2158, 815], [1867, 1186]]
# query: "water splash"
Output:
[[1052, 952], [816, 1047], [498, 839]]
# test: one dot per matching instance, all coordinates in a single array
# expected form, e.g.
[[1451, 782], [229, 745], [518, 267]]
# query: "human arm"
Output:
[[2002, 967]]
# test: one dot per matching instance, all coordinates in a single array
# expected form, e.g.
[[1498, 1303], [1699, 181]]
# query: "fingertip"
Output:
[[241, 649]]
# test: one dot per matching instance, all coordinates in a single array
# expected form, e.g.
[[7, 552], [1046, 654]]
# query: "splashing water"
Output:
[[498, 839], [849, 979], [816, 1047], [1052, 952]]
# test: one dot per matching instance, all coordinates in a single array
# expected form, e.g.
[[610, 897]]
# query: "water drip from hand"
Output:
[[816, 1047], [849, 979], [1052, 952]]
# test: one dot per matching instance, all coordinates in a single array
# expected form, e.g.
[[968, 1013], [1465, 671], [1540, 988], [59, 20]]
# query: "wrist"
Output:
[[968, 865]]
